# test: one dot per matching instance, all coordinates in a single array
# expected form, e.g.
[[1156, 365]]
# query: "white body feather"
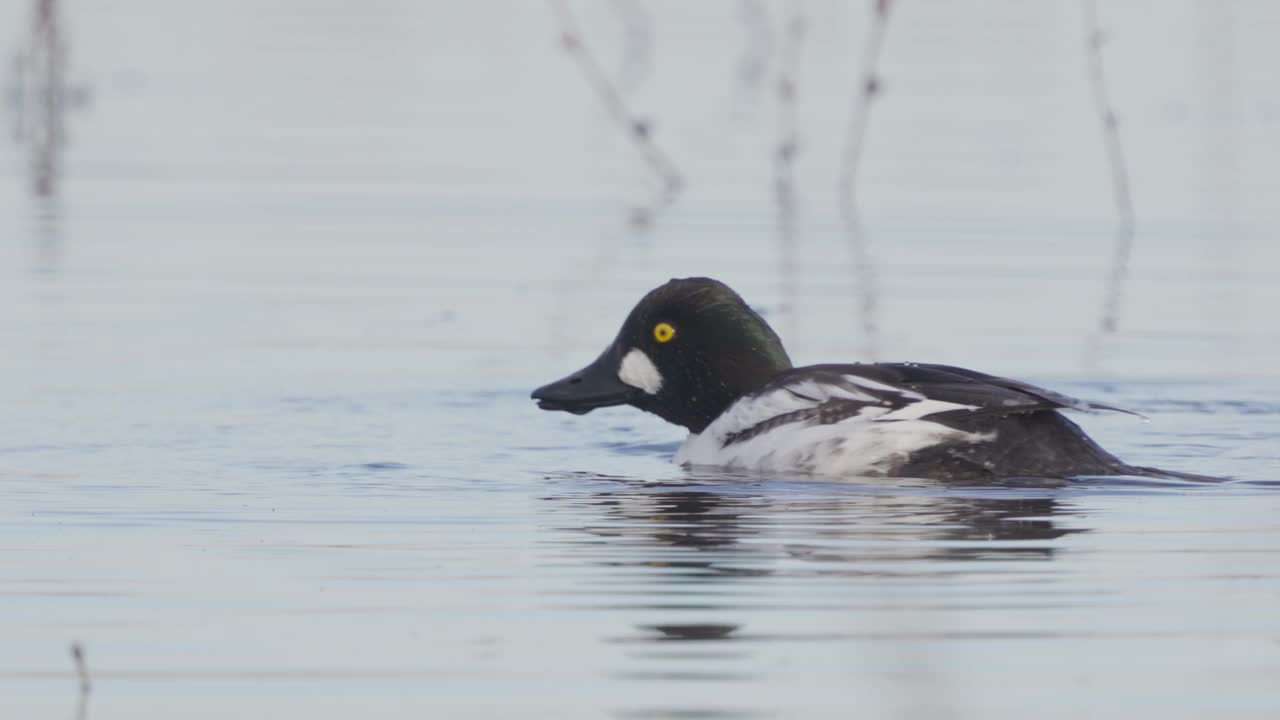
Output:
[[867, 443]]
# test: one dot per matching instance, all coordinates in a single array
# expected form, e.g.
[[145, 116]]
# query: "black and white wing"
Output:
[[942, 385], [886, 392], [902, 419]]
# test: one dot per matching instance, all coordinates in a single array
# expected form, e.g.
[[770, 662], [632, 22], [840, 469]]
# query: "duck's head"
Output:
[[688, 349]]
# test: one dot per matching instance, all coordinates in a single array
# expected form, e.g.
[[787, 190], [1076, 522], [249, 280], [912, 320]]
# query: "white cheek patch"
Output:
[[638, 371]]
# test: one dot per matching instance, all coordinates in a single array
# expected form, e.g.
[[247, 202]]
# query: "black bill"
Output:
[[595, 386]]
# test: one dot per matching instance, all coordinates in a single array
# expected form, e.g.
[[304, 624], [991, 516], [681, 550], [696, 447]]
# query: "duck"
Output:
[[695, 354]]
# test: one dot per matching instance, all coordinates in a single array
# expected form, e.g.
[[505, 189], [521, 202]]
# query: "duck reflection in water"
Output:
[[702, 530], [698, 571]]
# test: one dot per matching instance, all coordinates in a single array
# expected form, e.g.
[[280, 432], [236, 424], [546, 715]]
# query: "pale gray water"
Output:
[[266, 448]]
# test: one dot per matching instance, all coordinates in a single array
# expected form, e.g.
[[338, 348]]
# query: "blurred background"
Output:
[[277, 277], [279, 186]]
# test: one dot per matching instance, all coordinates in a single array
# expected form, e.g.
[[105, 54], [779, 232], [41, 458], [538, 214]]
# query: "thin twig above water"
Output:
[[784, 158], [82, 674], [637, 129], [42, 97], [868, 89], [1122, 248]]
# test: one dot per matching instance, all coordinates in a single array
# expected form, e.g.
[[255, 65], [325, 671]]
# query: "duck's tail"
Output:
[[1158, 473]]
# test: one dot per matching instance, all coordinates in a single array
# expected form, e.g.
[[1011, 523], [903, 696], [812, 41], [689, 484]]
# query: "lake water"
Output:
[[277, 279]]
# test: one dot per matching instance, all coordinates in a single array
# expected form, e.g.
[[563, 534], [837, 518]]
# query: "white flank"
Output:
[[865, 444], [638, 371]]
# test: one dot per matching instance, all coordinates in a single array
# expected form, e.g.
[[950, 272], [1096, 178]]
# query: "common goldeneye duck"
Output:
[[693, 353]]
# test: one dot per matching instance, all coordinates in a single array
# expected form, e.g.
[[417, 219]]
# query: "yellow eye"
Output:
[[663, 332]]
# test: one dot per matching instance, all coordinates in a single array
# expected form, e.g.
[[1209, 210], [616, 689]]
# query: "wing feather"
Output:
[[913, 391]]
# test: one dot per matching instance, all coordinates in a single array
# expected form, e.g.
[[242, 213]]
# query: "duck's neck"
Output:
[[707, 393]]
